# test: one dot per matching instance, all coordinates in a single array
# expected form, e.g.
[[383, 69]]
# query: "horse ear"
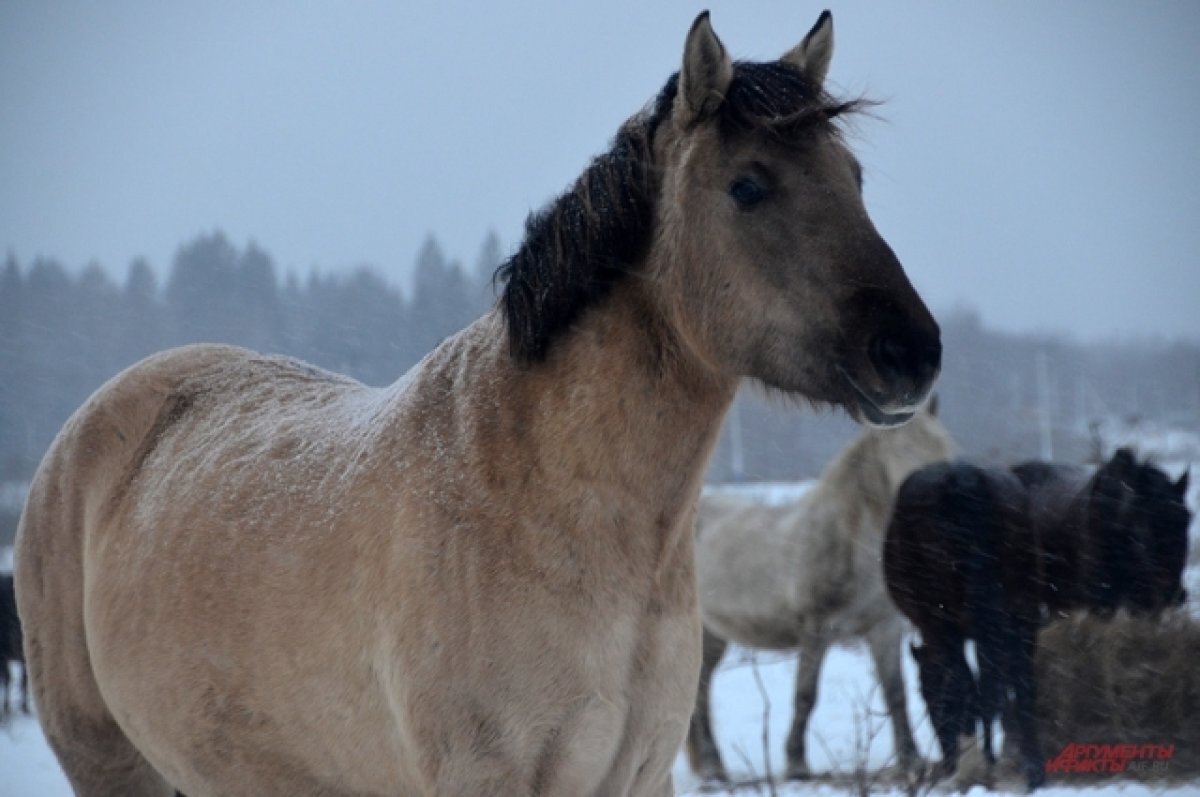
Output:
[[932, 406], [705, 75], [812, 56], [1182, 485], [1125, 456]]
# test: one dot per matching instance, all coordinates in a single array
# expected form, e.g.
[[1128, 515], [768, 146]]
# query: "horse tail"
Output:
[[974, 532], [978, 536]]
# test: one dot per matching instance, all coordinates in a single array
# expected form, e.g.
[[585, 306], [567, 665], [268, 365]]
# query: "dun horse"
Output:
[[1113, 538], [807, 576], [241, 575], [961, 562]]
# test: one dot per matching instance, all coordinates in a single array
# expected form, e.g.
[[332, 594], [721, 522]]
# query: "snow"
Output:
[[849, 712], [768, 493], [849, 715], [836, 733], [28, 767], [848, 726]]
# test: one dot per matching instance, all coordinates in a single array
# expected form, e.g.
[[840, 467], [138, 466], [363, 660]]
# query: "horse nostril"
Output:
[[931, 359], [889, 356], [897, 357]]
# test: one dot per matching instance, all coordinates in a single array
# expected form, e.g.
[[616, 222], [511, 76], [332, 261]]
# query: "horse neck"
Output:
[[621, 406], [613, 420], [862, 481]]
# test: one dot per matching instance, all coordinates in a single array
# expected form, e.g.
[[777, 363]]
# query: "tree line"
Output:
[[63, 335], [1003, 396]]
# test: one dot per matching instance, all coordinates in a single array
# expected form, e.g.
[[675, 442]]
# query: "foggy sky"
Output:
[[1036, 161]]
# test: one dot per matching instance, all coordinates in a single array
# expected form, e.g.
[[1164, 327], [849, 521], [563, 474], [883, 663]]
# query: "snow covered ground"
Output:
[[848, 720], [848, 727]]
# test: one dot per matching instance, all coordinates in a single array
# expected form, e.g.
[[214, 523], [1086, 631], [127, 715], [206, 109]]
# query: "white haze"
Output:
[[1033, 160]]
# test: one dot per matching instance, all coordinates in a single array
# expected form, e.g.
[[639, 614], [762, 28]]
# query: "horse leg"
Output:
[[995, 651], [703, 753], [24, 687], [993, 658], [1025, 706], [5, 683], [885, 642], [97, 757], [812, 654], [948, 688]]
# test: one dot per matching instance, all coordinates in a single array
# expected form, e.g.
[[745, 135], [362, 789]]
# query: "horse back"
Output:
[[1058, 506], [102, 449], [92, 460]]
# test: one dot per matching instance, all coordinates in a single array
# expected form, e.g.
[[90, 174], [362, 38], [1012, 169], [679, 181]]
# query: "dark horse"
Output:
[[1111, 539], [960, 561], [12, 648]]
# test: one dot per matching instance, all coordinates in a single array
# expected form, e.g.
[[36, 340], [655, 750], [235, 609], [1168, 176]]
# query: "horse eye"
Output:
[[747, 192]]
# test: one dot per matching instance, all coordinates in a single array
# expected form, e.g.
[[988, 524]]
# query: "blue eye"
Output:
[[747, 192]]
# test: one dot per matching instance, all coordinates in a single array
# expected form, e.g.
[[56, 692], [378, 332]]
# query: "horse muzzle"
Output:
[[901, 371]]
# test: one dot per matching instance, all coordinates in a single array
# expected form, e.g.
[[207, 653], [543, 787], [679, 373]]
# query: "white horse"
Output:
[[807, 575]]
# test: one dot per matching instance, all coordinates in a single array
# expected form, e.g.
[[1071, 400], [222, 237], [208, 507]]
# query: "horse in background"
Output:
[[240, 574], [1114, 537], [12, 647], [806, 576], [961, 562]]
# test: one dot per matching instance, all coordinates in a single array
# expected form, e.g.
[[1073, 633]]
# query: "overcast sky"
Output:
[[1035, 161]]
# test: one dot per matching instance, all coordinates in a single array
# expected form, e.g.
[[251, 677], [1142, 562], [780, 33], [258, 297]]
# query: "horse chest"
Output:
[[571, 693]]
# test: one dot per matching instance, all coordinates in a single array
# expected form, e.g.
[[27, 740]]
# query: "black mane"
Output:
[[584, 242]]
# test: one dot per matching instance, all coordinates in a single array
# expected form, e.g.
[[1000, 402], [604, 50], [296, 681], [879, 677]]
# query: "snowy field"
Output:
[[848, 729]]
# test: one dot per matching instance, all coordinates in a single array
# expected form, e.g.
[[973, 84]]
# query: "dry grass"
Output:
[[1122, 681]]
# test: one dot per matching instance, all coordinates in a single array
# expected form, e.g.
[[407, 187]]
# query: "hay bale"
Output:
[[1124, 681]]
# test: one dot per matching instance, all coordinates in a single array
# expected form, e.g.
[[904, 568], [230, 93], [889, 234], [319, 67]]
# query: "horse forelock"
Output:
[[779, 98], [598, 231]]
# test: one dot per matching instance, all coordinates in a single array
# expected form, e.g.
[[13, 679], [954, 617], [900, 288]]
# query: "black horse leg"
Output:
[[949, 692], [993, 657], [1025, 708]]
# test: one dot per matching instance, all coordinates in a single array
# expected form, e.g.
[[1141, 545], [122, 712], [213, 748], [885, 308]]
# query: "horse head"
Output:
[[765, 259], [1161, 519], [1135, 538]]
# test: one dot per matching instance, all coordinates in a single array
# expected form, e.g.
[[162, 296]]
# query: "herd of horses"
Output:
[[990, 555], [239, 574], [968, 551]]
